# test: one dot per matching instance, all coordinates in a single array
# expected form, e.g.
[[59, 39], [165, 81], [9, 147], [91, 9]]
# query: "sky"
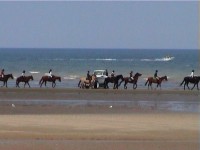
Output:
[[99, 24]]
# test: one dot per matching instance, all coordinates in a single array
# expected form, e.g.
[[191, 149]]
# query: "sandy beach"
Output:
[[76, 119]]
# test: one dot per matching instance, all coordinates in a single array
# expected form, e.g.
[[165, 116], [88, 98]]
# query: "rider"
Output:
[[156, 75], [50, 73], [131, 75], [113, 73], [2, 73], [88, 77], [23, 73], [192, 74]]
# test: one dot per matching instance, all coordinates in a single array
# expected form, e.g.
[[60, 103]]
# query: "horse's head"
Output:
[[11, 76], [31, 77], [59, 79], [198, 77], [137, 74], [165, 78], [120, 77]]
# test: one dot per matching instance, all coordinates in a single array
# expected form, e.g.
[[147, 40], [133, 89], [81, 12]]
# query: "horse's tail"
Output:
[[40, 80], [182, 82], [146, 82], [79, 83]]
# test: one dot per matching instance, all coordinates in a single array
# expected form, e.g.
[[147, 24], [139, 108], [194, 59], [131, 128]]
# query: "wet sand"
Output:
[[97, 125]]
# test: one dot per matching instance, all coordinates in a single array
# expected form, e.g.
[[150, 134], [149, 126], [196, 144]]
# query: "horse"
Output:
[[25, 79], [83, 82], [52, 79], [128, 80], [114, 80], [5, 79], [151, 80], [195, 80]]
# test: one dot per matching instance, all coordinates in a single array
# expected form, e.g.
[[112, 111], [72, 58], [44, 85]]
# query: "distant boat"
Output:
[[168, 58]]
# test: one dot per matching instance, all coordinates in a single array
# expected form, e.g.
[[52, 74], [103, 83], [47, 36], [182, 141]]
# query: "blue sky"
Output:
[[100, 24]]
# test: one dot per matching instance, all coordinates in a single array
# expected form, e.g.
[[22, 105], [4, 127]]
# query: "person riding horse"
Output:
[[112, 73], [192, 74], [50, 73], [23, 73], [156, 75], [2, 73], [88, 77], [131, 76]]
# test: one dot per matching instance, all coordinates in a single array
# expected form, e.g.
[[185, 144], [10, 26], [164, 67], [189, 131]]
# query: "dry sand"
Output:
[[99, 127]]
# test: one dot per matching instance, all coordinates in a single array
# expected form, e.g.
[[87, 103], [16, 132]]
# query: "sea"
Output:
[[71, 64]]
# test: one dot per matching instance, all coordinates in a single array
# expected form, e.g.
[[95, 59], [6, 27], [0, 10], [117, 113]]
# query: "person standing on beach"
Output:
[[106, 72], [2, 73], [156, 75], [192, 74]]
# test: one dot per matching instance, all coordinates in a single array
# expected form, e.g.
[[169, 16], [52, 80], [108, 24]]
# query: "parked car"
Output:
[[101, 76]]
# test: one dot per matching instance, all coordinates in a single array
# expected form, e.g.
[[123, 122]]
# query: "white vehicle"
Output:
[[100, 75]]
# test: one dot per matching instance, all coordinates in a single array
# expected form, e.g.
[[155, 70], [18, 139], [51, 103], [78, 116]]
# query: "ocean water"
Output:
[[71, 64]]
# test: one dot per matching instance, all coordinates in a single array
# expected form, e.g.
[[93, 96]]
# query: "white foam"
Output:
[[34, 72]]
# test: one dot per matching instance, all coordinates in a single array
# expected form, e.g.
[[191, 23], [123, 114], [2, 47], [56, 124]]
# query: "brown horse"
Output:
[[52, 79], [84, 83], [151, 80], [127, 80], [25, 79], [5, 79]]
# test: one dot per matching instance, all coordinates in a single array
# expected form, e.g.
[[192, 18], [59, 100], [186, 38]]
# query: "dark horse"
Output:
[[194, 80], [5, 79], [114, 80], [25, 79], [52, 79], [151, 80], [128, 80]]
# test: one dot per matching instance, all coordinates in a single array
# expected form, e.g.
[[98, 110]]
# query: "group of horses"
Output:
[[116, 80], [26, 79]]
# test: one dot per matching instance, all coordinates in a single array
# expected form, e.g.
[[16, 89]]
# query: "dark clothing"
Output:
[[155, 75], [106, 73], [88, 76]]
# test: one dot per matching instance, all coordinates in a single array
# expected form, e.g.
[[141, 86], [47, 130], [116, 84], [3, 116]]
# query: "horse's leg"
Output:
[[134, 85], [53, 84], [3, 84], [41, 83], [197, 86], [188, 86], [116, 85], [193, 86], [24, 84], [184, 85], [125, 87], [28, 84]]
